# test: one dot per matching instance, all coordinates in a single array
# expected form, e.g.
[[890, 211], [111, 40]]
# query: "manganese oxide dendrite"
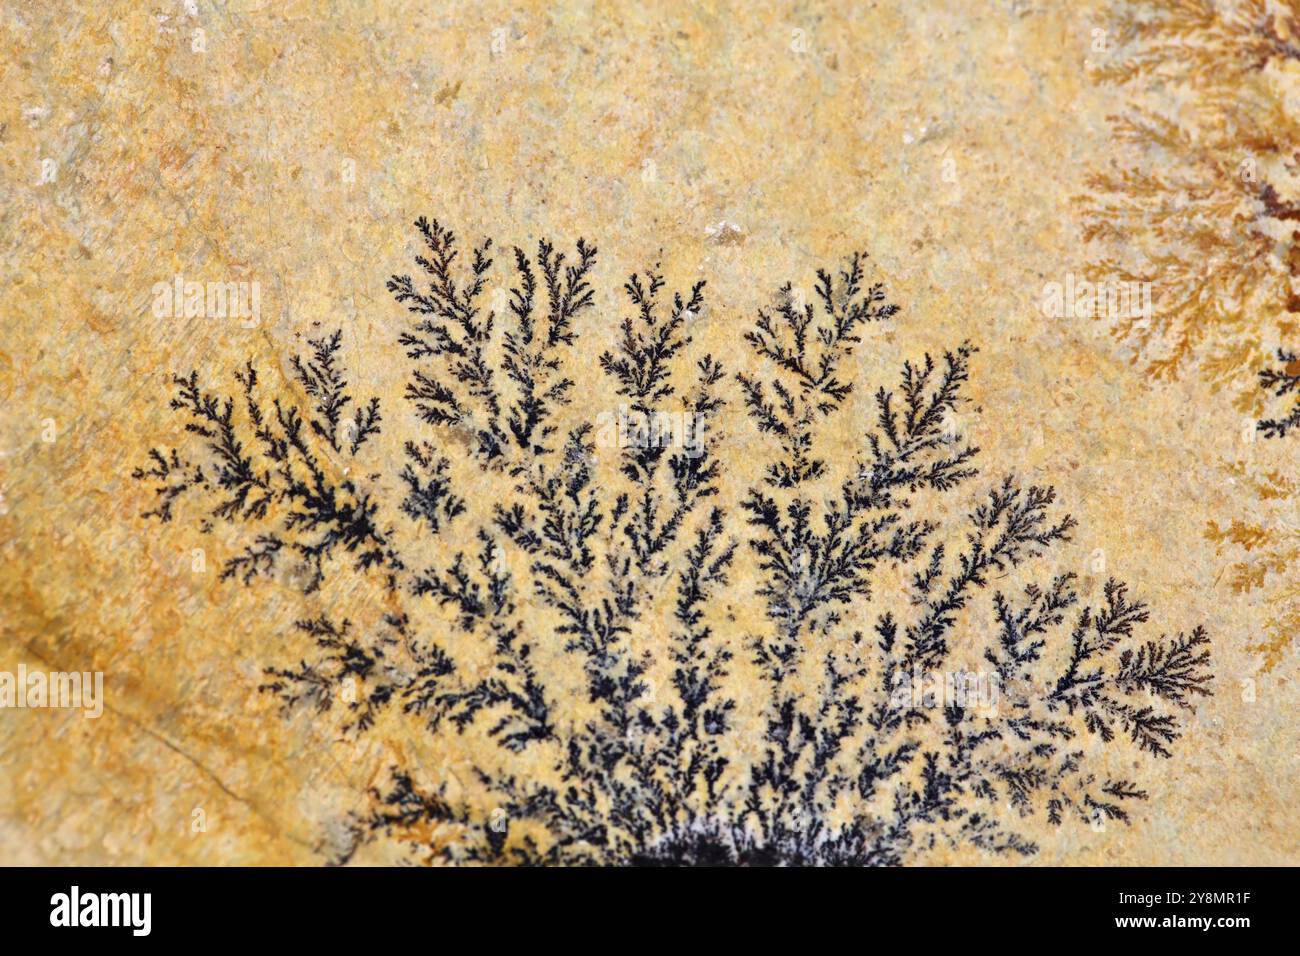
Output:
[[713, 655], [1199, 196]]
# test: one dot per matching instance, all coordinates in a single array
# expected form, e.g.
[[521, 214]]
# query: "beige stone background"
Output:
[[814, 129]]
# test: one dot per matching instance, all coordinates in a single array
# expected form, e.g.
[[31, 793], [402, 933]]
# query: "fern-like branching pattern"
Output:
[[1201, 199], [609, 612]]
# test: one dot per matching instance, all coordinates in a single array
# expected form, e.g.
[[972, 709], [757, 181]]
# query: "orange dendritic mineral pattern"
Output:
[[1201, 203]]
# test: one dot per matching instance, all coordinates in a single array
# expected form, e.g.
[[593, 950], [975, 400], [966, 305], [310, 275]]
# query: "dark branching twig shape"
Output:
[[1282, 381]]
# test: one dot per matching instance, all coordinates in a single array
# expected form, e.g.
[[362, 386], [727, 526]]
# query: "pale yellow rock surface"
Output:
[[293, 144]]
